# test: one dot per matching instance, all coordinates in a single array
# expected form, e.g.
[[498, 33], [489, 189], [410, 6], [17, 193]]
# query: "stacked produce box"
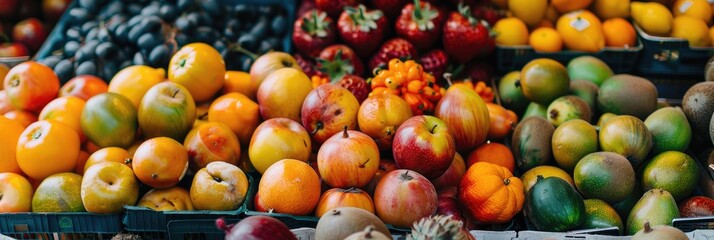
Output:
[[357, 119]]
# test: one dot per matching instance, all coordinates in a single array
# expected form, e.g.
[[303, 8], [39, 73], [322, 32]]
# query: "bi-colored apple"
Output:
[[134, 81], [338, 197], [109, 120], [15, 49], [267, 64], [452, 176], [219, 186], [16, 193], [385, 166], [30, 32], [30, 86], [211, 142], [467, 116], [327, 110], [424, 144], [348, 159], [108, 186], [403, 197], [282, 94], [83, 87], [167, 110], [277, 139]]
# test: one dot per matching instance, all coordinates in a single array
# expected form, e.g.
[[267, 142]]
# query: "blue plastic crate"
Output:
[[70, 224], [152, 224], [668, 56], [621, 60]]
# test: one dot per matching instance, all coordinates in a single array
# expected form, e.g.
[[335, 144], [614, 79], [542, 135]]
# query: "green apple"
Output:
[[167, 110]]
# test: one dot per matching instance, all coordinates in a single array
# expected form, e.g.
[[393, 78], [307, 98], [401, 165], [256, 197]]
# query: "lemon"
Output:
[[693, 29], [581, 30], [695, 8], [511, 31], [530, 11], [654, 18], [606, 9]]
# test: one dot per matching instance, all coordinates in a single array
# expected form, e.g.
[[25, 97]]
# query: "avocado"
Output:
[[532, 142], [625, 94]]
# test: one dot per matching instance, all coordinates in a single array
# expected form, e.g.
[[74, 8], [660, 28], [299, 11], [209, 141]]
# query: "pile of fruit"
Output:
[[591, 25], [102, 37], [24, 25]]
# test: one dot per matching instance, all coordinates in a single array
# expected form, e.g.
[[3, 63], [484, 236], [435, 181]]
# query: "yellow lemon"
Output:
[[606, 9], [654, 18], [530, 11], [695, 8], [581, 31], [511, 31], [693, 29]]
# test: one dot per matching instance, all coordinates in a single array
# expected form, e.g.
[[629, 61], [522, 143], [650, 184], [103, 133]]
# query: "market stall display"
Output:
[[361, 119]]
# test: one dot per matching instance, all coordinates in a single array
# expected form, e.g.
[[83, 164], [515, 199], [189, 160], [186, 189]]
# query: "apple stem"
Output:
[[182, 62], [406, 176], [448, 76], [648, 228], [36, 134], [368, 234], [154, 175], [345, 134], [175, 92], [127, 161], [433, 128], [0, 196], [364, 163], [318, 126], [14, 82], [217, 179]]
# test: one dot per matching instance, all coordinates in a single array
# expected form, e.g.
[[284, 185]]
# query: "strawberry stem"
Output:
[[417, 10]]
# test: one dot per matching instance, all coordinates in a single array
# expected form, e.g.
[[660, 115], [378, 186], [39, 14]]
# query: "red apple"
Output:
[[424, 144], [403, 197], [256, 228], [466, 114], [327, 110], [452, 176], [15, 49], [16, 193], [265, 65], [277, 139], [30, 86], [108, 186], [219, 186], [348, 159], [30, 32], [83, 86], [385, 166], [52, 9], [449, 205]]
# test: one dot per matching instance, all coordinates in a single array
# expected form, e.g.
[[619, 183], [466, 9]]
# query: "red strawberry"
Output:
[[341, 57], [465, 37], [394, 48], [305, 6], [479, 71], [361, 29], [420, 23], [435, 62], [312, 32], [391, 8], [356, 85], [308, 65], [335, 7]]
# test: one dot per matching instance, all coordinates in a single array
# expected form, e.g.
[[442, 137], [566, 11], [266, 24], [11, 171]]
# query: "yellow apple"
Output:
[[282, 94], [219, 186], [15, 193], [277, 139], [108, 186], [170, 199]]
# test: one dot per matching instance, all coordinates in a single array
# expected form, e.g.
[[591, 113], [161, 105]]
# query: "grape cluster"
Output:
[[146, 32]]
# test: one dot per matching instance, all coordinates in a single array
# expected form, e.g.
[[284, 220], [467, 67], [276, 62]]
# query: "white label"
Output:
[[685, 6], [580, 24]]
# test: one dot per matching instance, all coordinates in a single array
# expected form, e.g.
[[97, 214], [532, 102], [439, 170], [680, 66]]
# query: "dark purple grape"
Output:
[[64, 70], [50, 61], [70, 48], [150, 40], [247, 41], [139, 59], [106, 50], [87, 68], [168, 12], [79, 15], [279, 26], [159, 57]]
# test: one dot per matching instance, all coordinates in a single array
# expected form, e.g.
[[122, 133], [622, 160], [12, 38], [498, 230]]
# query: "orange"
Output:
[[546, 39], [11, 131], [5, 103], [711, 32], [492, 152], [693, 29], [545, 24], [67, 110], [565, 6], [511, 31], [4, 69], [46, 148], [581, 30], [160, 162], [530, 11], [289, 186], [236, 81], [108, 154], [199, 68], [238, 112], [619, 32], [25, 118]]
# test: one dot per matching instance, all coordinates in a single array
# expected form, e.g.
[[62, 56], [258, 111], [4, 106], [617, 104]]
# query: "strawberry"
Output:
[[307, 65], [361, 29], [391, 8], [312, 32], [488, 13], [356, 85], [465, 37], [394, 48], [340, 57], [435, 62], [420, 23], [335, 7]]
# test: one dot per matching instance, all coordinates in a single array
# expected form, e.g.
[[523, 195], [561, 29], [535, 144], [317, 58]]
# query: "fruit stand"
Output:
[[356, 119]]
